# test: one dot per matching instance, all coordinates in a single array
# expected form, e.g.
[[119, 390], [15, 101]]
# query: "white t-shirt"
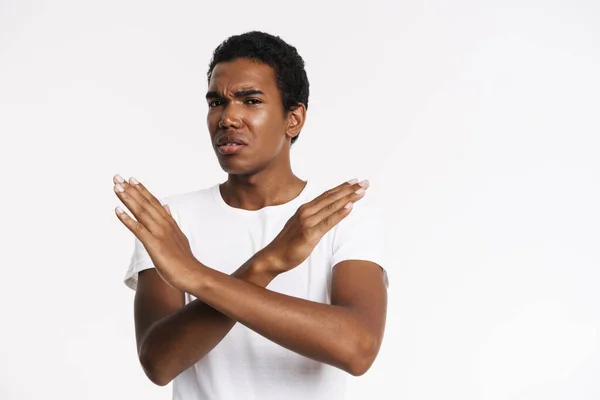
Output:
[[245, 365]]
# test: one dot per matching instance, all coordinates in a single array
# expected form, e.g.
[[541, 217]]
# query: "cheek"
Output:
[[263, 120], [212, 121], [256, 119]]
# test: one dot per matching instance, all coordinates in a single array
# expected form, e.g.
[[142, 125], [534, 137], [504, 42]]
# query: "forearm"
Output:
[[179, 340], [323, 332]]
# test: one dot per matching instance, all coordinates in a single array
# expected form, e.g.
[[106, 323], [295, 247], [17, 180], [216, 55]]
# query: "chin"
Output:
[[242, 165], [235, 168]]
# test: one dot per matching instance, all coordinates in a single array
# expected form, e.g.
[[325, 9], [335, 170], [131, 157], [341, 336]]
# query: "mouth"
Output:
[[231, 144], [230, 148]]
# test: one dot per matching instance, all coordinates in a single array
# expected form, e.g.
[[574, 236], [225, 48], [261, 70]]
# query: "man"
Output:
[[203, 260]]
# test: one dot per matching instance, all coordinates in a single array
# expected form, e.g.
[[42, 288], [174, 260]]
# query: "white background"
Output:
[[476, 122]]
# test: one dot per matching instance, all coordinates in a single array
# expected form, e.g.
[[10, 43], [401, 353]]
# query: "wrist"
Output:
[[264, 266], [192, 279]]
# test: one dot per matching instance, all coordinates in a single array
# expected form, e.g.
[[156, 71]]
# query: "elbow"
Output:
[[362, 354], [157, 379], [152, 369]]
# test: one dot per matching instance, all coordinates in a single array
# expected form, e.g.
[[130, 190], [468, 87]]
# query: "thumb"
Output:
[[166, 206]]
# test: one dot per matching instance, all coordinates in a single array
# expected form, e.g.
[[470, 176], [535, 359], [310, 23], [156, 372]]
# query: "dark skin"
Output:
[[172, 336], [261, 175]]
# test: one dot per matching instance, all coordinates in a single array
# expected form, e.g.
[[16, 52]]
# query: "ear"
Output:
[[296, 118]]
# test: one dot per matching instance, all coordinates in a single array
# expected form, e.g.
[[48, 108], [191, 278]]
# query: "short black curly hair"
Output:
[[292, 81]]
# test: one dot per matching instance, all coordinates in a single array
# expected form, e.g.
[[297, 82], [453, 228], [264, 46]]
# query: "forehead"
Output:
[[242, 73]]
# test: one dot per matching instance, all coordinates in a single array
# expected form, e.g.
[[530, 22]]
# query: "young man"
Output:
[[264, 286]]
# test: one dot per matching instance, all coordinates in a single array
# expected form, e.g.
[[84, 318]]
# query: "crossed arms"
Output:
[[172, 336]]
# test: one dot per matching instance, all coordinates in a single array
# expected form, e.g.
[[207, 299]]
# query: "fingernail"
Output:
[[133, 181], [349, 205], [119, 178], [364, 183], [119, 187], [359, 191], [119, 210], [352, 181]]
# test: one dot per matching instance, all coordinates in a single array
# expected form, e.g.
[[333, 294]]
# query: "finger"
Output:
[[134, 226], [171, 219], [345, 202], [149, 196], [329, 200], [134, 183], [313, 206], [331, 220], [143, 211]]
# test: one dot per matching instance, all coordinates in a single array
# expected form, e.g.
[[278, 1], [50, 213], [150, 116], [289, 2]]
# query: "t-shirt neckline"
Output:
[[267, 209]]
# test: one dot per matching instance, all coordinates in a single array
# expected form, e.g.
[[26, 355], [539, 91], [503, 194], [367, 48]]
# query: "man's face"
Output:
[[244, 105]]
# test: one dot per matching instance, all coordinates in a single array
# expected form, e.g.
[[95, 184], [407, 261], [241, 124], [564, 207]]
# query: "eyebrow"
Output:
[[239, 93]]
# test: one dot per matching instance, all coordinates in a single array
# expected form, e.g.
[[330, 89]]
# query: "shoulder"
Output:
[[190, 207], [366, 213], [184, 201], [361, 235]]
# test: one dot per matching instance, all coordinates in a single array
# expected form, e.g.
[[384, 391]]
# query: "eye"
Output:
[[253, 101], [215, 103]]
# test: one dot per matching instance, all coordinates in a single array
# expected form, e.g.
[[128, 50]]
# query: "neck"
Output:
[[271, 186]]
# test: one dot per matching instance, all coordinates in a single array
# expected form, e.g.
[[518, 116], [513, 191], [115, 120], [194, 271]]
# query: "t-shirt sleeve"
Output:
[[361, 236], [140, 259]]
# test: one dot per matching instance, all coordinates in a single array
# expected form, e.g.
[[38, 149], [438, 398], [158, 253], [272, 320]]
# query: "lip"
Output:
[[227, 150], [231, 138]]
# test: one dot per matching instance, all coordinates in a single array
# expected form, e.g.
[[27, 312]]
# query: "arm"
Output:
[[346, 334], [172, 336], [175, 263]]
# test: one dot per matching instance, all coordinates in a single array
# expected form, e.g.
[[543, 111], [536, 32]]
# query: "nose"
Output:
[[229, 117]]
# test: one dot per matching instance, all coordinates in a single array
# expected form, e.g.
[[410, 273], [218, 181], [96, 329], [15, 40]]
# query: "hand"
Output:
[[310, 223], [166, 244]]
